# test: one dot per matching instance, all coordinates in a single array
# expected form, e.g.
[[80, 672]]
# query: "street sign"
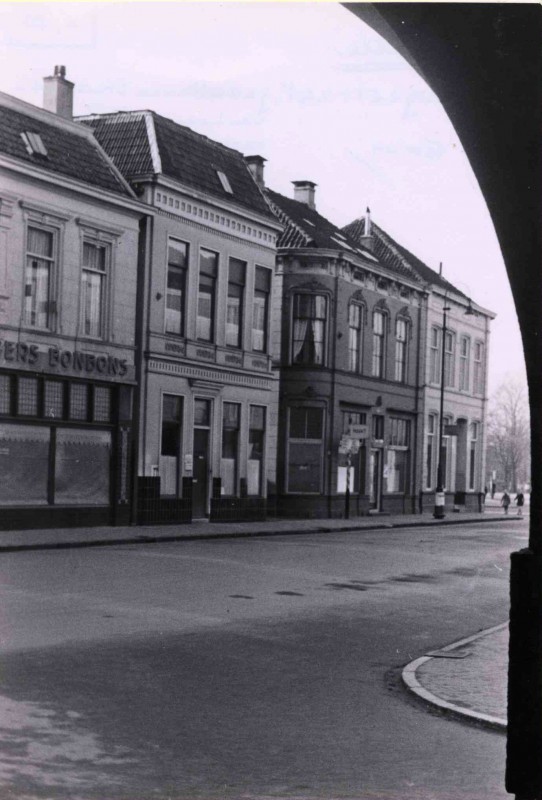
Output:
[[358, 431]]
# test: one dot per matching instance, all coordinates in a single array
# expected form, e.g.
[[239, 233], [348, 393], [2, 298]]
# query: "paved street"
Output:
[[265, 667]]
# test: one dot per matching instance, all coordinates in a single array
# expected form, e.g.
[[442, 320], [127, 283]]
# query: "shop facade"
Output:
[[69, 232]]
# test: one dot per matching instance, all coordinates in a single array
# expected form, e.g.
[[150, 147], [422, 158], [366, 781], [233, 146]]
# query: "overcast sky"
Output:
[[307, 86]]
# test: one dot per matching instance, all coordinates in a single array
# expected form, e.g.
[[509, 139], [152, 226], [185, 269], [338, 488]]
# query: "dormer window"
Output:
[[34, 144], [224, 181]]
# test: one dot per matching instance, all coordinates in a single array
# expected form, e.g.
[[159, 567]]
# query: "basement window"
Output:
[[34, 144], [224, 181]]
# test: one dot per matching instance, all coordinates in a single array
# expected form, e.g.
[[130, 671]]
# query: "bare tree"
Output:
[[508, 441]]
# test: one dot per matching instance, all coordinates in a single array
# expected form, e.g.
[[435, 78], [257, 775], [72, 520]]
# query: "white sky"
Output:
[[307, 86]]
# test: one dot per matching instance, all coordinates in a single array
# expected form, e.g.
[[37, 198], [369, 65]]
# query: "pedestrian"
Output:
[[505, 501], [519, 501], [493, 489]]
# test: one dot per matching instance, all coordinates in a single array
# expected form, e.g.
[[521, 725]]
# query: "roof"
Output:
[[143, 142], [394, 255], [305, 227], [69, 152]]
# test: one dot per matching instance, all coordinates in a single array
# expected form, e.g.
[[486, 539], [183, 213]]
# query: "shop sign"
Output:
[[22, 354], [358, 431]]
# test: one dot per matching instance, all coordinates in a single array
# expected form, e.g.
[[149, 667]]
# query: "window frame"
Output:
[[52, 262], [355, 355], [464, 363], [401, 350], [378, 360], [263, 277], [316, 442], [236, 289], [478, 386], [323, 320], [212, 282], [184, 272], [105, 276], [449, 358]]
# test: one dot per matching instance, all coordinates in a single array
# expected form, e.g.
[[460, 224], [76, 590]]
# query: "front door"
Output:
[[200, 491], [375, 478]]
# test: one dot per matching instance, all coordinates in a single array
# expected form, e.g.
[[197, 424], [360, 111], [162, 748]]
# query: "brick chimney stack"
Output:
[[304, 193], [58, 94], [256, 167]]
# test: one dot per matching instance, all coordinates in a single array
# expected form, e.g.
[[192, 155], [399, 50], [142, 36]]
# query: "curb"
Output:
[[411, 681], [143, 538]]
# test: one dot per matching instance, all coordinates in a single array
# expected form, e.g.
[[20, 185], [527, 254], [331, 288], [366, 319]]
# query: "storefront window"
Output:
[[78, 401], [24, 463], [230, 447], [256, 441], [54, 399], [5, 394], [82, 467], [27, 397], [305, 450]]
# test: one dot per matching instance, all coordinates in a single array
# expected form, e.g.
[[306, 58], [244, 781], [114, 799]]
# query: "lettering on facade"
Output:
[[172, 347], [259, 363], [73, 360], [204, 353], [230, 359]]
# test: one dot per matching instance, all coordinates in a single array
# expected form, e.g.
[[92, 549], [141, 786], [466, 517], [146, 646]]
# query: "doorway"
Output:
[[375, 479], [200, 488]]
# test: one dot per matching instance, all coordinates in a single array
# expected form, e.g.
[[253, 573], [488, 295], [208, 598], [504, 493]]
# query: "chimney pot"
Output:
[[304, 192], [58, 93], [256, 167]]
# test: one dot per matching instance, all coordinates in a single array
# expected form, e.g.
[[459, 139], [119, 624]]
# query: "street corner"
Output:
[[465, 679]]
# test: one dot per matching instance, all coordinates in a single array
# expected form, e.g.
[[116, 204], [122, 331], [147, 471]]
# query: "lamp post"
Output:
[[438, 512]]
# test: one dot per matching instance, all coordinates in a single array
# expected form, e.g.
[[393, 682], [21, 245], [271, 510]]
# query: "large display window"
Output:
[[24, 464], [82, 467]]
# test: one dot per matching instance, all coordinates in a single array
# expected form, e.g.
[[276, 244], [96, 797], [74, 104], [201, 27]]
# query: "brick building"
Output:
[[69, 229], [209, 398], [466, 348], [349, 355]]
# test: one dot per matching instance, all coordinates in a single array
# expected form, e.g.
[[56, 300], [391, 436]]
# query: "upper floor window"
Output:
[[401, 330], [260, 309], [177, 265], [379, 343], [309, 329], [355, 320], [478, 376], [434, 355], [399, 432], [208, 271], [464, 363], [234, 306], [39, 275], [93, 288], [449, 358]]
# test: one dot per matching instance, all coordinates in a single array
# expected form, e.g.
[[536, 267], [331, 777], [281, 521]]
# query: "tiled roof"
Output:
[[180, 153], [305, 227], [69, 153], [393, 254]]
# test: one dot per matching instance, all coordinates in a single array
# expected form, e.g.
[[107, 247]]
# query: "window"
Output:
[[53, 400], [379, 341], [449, 358], [478, 376], [352, 418], [95, 264], [34, 144], [435, 355], [447, 445], [309, 329], [256, 443], [305, 441], [234, 306], [231, 415], [40, 264], [260, 309], [399, 432], [473, 454], [398, 457], [208, 271], [27, 397], [170, 444], [176, 287], [378, 427], [464, 363], [355, 319], [430, 452], [400, 349], [223, 178]]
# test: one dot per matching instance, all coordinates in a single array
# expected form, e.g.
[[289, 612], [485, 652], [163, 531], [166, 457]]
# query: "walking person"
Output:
[[505, 501], [519, 501]]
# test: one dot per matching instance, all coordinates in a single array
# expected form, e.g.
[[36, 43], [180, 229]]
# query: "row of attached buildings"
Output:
[[179, 341]]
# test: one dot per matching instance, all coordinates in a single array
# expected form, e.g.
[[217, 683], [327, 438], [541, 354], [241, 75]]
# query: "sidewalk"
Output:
[[52, 538], [467, 678]]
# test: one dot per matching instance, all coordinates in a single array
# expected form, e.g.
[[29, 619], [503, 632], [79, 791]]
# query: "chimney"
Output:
[[304, 193], [58, 94], [367, 240], [256, 167]]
